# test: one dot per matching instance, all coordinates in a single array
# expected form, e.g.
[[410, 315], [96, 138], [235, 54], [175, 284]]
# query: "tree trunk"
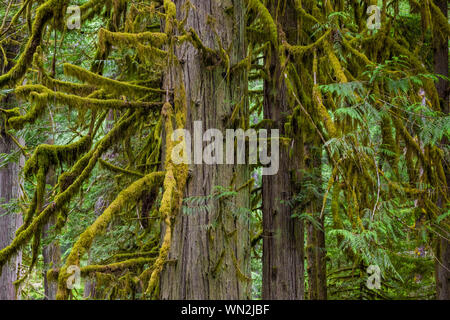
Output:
[[441, 67], [210, 251], [283, 237], [9, 190], [9, 223]]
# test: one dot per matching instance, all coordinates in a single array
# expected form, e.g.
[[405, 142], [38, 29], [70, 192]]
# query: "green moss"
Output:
[[117, 87], [174, 181], [210, 56], [9, 113], [130, 195], [78, 102], [267, 20], [439, 19], [118, 266], [52, 155], [298, 51], [38, 105], [45, 12], [171, 12], [155, 39], [152, 55], [323, 113], [79, 173], [334, 61], [133, 255]]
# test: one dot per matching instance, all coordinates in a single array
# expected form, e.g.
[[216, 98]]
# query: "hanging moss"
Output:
[[130, 195], [360, 55], [79, 173], [116, 87], [298, 51], [38, 105], [174, 181], [334, 61], [114, 267], [68, 87], [46, 156], [155, 39], [267, 20], [171, 12], [78, 102], [210, 56], [53, 274], [152, 55], [323, 113], [125, 256], [7, 114], [48, 10]]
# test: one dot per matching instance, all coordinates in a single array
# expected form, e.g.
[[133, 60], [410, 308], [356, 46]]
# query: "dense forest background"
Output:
[[91, 92]]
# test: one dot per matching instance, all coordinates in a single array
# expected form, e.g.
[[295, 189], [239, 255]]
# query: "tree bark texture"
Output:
[[210, 251]]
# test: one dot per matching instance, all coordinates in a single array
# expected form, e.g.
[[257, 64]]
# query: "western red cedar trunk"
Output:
[[441, 67], [9, 190], [283, 236], [9, 223], [210, 250]]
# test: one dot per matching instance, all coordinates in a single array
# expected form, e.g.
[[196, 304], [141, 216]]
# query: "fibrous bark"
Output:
[[209, 257]]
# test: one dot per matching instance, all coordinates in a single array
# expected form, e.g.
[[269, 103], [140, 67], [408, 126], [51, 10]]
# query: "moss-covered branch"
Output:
[[113, 86], [78, 102], [48, 10], [130, 195]]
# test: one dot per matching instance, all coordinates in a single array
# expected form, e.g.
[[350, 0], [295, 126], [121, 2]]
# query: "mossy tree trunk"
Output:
[[210, 251], [9, 223], [9, 190], [283, 238]]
